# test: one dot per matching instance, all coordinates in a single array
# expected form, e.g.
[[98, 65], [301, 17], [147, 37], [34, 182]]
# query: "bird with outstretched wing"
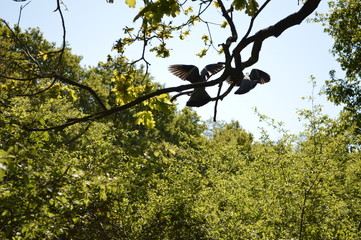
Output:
[[199, 96]]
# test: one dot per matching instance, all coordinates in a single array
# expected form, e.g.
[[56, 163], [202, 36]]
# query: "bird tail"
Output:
[[198, 98]]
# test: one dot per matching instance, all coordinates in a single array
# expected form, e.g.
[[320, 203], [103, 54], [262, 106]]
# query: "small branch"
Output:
[[58, 8], [254, 18], [229, 20], [79, 134], [21, 9], [231, 39], [231, 86], [26, 50], [19, 79], [180, 94], [87, 88], [41, 91], [216, 104]]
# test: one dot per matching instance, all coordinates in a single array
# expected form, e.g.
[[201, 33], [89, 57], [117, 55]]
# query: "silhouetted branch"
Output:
[[39, 92], [180, 94], [25, 47], [254, 18], [58, 8], [21, 9], [277, 29]]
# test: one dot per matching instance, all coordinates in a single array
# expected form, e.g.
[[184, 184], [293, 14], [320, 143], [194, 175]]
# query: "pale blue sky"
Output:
[[301, 51]]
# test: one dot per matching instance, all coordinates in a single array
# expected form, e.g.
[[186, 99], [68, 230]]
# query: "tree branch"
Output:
[[58, 8], [87, 88], [133, 103], [277, 29]]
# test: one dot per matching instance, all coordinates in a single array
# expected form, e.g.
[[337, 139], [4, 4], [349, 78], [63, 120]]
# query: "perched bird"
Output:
[[250, 81], [199, 96]]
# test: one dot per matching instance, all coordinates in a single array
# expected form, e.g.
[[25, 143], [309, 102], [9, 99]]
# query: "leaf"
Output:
[[239, 4], [145, 118], [130, 3], [202, 53], [250, 6]]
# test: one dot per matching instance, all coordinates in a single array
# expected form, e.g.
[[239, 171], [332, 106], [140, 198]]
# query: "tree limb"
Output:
[[277, 29]]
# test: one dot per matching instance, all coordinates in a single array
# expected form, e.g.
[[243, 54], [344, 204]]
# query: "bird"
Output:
[[251, 80], [199, 96]]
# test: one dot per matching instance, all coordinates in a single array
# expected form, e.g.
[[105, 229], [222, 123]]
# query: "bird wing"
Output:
[[235, 77], [261, 76], [185, 72], [214, 68], [246, 86]]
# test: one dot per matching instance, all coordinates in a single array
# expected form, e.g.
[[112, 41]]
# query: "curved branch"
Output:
[[180, 94], [58, 8], [257, 45], [39, 92], [232, 38], [229, 20], [87, 88], [254, 18], [25, 47]]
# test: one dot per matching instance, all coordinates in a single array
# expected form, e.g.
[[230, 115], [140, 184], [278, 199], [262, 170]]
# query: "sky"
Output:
[[93, 26]]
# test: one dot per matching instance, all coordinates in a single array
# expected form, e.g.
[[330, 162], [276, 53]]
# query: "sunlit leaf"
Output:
[[131, 3]]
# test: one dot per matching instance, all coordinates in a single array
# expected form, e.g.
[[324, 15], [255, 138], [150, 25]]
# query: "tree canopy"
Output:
[[101, 152]]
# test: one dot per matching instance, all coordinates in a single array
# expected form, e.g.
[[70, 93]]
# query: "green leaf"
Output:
[[145, 118]]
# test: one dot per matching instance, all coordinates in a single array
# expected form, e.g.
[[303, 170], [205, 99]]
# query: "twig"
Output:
[[58, 8], [89, 89], [254, 18], [39, 92], [21, 9], [26, 50], [180, 94]]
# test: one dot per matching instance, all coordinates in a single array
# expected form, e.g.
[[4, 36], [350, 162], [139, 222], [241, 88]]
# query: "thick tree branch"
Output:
[[277, 29]]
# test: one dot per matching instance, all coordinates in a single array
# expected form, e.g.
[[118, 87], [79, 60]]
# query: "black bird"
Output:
[[250, 81], [199, 96]]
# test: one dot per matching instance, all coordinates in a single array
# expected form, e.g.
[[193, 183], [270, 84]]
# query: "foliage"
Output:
[[344, 25], [152, 171], [115, 182]]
